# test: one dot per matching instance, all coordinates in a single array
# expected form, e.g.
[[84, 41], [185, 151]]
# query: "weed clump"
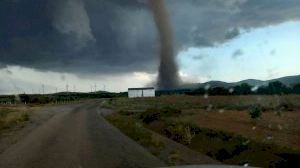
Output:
[[154, 114], [255, 112], [9, 118], [174, 157], [180, 132], [24, 117], [134, 130], [285, 106]]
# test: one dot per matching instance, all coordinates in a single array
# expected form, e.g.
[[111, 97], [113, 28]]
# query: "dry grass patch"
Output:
[[11, 117]]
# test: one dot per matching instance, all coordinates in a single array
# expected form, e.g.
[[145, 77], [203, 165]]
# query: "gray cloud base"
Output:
[[119, 36]]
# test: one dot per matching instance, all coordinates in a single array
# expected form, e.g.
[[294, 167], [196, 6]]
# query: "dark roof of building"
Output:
[[145, 88]]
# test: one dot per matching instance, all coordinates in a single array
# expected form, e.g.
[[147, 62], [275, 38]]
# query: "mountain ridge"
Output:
[[287, 80]]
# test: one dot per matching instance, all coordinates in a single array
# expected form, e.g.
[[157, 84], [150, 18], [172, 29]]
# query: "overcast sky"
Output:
[[113, 44]]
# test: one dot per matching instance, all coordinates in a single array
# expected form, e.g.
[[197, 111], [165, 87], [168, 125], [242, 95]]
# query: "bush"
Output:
[[126, 113], [150, 115], [285, 106], [24, 117], [180, 132], [223, 154], [154, 114], [255, 112]]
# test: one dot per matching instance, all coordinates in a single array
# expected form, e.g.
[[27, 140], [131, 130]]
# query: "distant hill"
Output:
[[288, 80]]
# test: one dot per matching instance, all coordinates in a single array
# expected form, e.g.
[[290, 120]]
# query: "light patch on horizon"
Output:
[[273, 48], [27, 80], [187, 78], [146, 77]]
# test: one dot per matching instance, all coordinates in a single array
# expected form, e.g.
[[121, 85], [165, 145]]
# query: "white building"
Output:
[[141, 92]]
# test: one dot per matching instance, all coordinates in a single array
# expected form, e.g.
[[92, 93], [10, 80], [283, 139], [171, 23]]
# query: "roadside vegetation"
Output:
[[56, 98], [261, 131], [134, 129], [10, 118], [168, 151]]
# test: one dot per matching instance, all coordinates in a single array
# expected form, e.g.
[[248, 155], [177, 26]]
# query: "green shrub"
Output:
[[285, 106], [223, 154], [4, 112], [154, 114], [126, 113], [150, 115], [180, 132], [24, 117], [255, 112]]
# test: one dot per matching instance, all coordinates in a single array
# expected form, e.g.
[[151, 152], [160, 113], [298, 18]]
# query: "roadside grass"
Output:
[[228, 147], [10, 118], [174, 157], [134, 129], [224, 146], [232, 148], [130, 124], [254, 130]]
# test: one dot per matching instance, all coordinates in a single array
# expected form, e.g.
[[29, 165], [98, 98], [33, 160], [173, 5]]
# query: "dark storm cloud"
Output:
[[115, 36], [232, 34], [78, 36], [71, 18], [207, 23], [237, 53]]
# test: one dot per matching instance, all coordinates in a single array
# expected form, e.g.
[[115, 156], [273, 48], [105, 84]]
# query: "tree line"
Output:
[[55, 98], [273, 88]]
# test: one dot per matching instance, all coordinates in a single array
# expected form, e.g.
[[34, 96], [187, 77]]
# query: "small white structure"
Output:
[[141, 92]]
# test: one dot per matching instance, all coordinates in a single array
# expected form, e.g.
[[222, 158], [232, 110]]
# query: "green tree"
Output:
[[296, 89], [243, 89], [278, 88]]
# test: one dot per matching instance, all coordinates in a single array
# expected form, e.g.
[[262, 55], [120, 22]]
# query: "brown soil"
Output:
[[283, 130]]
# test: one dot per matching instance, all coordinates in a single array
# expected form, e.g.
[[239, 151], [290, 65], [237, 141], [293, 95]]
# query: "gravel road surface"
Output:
[[76, 136]]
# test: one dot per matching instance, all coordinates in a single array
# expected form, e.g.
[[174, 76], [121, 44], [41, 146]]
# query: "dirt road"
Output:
[[78, 137]]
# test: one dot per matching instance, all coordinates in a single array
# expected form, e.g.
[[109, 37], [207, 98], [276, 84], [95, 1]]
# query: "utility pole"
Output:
[[67, 87], [43, 88]]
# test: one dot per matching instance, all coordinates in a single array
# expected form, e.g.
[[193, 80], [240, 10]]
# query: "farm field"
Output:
[[201, 123]]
